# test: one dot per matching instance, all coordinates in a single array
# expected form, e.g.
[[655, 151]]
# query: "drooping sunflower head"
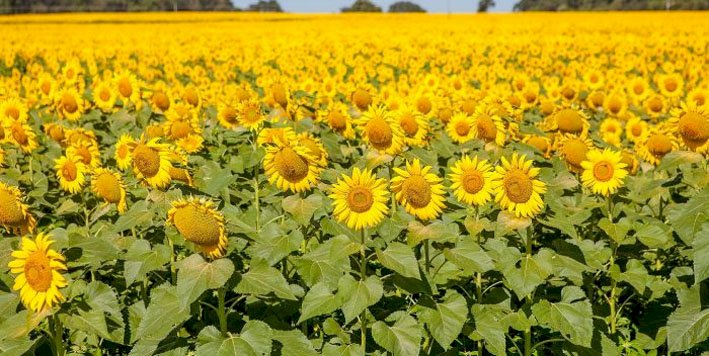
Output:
[[573, 149], [595, 100], [151, 163], [460, 128], [413, 125], [360, 200], [38, 269], [419, 190], [470, 180], [109, 186], [200, 223], [631, 162], [181, 175], [541, 142], [291, 167], [71, 173], [656, 145], [568, 120], [339, 121], [55, 131], [691, 123], [87, 151], [21, 135], [14, 214], [603, 171], [69, 104], [516, 188], [160, 99], [227, 115], [380, 131], [361, 98], [615, 104], [488, 126]]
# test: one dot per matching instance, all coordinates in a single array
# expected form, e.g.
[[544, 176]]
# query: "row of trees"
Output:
[[585, 5]]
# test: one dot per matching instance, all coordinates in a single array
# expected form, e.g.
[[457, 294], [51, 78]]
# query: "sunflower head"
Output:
[[656, 145], [71, 172], [108, 185], [38, 269], [573, 149], [360, 200], [291, 166], [470, 180], [603, 171], [380, 130], [14, 214], [692, 124], [419, 190], [151, 162], [200, 223], [516, 188]]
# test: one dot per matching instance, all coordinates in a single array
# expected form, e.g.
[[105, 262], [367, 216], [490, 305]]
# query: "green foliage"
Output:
[[362, 6]]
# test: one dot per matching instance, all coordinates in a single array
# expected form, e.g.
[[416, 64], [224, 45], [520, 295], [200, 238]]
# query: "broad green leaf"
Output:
[[401, 259], [139, 214], [654, 234], [673, 160], [618, 231], [164, 313], [263, 279], [213, 179], [532, 271], [294, 343], [16, 347], [302, 209], [195, 276], [573, 320], [437, 230], [636, 274], [700, 246], [401, 339], [468, 256], [328, 262], [686, 328], [141, 259], [342, 350], [275, 248], [445, 322], [318, 301], [255, 339], [355, 296], [687, 218], [489, 324]]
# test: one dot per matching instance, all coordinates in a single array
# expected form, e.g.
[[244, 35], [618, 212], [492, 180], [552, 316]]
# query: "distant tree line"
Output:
[[368, 6], [40, 6], [586, 5]]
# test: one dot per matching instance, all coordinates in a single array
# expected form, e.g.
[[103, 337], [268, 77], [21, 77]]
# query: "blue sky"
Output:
[[440, 6]]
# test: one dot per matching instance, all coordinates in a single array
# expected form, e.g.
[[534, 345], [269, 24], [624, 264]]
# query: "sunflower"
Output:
[[595, 100], [413, 125], [540, 142], [46, 85], [104, 96], [79, 135], [460, 128], [380, 130], [14, 214], [109, 186], [360, 200], [190, 95], [269, 136], [488, 127], [87, 151], [315, 148], [181, 175], [250, 114], [471, 181], [418, 190], [567, 120], [2, 156], [69, 104], [615, 104], [603, 171], [291, 167], [636, 129], [361, 97], [55, 131], [638, 89], [655, 105], [22, 135], [691, 122], [151, 162], [631, 162], [227, 115], [339, 121], [279, 94], [656, 145], [516, 188], [160, 99], [123, 151], [38, 270], [12, 110], [574, 149], [699, 96], [200, 223], [671, 85], [71, 173], [127, 88]]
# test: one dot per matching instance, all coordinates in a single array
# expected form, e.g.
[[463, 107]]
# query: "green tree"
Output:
[[362, 6], [405, 6], [484, 5]]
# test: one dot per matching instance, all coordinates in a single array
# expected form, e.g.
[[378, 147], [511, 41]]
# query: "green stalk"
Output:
[[528, 342], [612, 298], [221, 311], [363, 276], [173, 272], [393, 196], [57, 336], [426, 244]]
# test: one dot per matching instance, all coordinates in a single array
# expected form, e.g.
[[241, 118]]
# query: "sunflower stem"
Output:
[[363, 276], [221, 311], [393, 196], [612, 298], [426, 252], [173, 272], [257, 201], [57, 335]]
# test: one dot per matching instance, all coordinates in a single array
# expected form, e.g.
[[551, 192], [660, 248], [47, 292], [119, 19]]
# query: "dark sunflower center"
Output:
[[37, 271], [290, 165], [417, 191], [473, 181], [147, 160], [380, 133], [603, 171], [360, 199], [518, 186]]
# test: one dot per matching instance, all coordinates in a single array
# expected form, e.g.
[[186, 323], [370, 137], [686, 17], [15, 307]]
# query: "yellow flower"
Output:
[[671, 85], [151, 163], [574, 149], [227, 115], [635, 129], [515, 186], [315, 148], [123, 152], [488, 127], [250, 114], [360, 200], [380, 130], [603, 171], [14, 214], [656, 145], [38, 269], [413, 125], [470, 180], [339, 121], [69, 104], [567, 120], [22, 135], [104, 96], [418, 190], [109, 186], [201, 224], [691, 123], [127, 88], [71, 173], [655, 105], [540, 142], [269, 136], [12, 110], [460, 128], [291, 167], [87, 151]]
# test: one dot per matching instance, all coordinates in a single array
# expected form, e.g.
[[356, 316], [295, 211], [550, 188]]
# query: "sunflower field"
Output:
[[244, 184]]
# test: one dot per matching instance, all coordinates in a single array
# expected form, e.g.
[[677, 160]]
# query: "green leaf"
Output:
[[700, 246], [263, 279], [445, 322], [401, 339], [213, 179], [318, 301], [675, 159], [294, 343], [139, 214], [195, 276], [355, 296], [618, 231], [254, 340], [489, 324], [573, 320], [302, 209], [164, 313], [686, 328], [141, 259], [328, 262], [686, 219], [401, 259], [15, 347], [469, 256], [436, 230], [532, 272], [636, 274], [342, 350], [275, 248]]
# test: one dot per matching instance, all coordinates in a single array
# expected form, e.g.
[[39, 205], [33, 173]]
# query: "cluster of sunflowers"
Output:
[[124, 118]]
